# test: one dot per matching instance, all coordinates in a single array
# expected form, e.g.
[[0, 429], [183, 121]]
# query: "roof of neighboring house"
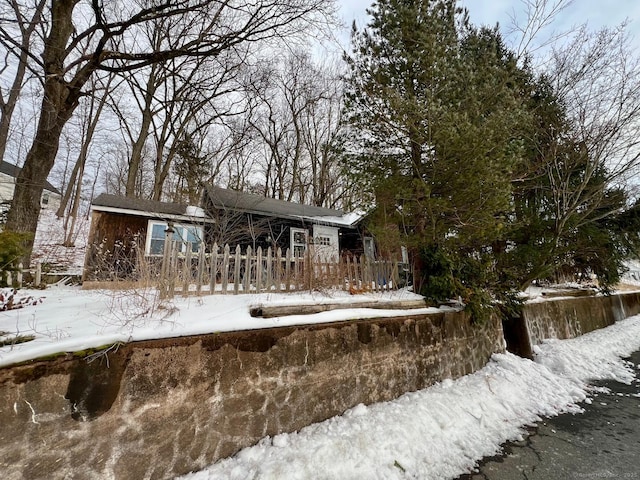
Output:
[[251, 203], [13, 171], [146, 208]]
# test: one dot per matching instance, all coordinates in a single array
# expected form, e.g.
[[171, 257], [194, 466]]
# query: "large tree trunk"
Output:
[[59, 101]]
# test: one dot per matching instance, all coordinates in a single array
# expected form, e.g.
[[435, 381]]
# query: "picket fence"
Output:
[[14, 277], [222, 270]]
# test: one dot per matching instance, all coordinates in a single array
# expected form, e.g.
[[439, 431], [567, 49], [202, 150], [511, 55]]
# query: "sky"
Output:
[[596, 13]]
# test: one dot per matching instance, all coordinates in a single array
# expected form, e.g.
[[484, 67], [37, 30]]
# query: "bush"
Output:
[[12, 248]]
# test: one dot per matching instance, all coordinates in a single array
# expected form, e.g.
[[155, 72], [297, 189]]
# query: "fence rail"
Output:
[[14, 277], [223, 270]]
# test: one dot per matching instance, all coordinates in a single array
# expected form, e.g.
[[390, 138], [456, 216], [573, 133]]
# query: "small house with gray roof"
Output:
[[224, 217]]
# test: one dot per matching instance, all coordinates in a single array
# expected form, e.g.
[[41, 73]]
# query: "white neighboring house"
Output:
[[50, 199]]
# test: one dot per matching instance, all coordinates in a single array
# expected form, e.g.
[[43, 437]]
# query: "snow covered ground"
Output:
[[443, 431], [440, 432], [68, 319]]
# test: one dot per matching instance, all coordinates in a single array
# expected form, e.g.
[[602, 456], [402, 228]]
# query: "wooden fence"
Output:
[[14, 277], [223, 270]]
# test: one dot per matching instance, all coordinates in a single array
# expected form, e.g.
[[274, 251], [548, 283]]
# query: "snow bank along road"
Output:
[[601, 443], [443, 431]]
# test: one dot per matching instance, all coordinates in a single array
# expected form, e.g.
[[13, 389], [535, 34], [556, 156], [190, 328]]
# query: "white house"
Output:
[[51, 196]]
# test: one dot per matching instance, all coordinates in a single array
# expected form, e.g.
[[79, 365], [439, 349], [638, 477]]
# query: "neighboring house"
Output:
[[223, 217], [50, 199]]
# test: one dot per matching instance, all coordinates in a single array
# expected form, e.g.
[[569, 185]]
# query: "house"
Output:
[[50, 198], [248, 219], [223, 217]]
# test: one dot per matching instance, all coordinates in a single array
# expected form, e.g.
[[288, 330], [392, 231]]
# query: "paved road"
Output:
[[601, 443]]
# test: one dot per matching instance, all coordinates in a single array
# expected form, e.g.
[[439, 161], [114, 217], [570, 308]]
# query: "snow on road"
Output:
[[442, 431]]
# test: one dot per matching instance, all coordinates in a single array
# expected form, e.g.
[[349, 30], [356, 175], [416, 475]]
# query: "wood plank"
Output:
[[247, 271], [186, 272], [225, 269], [236, 271], [259, 270], [270, 311], [213, 269], [199, 280], [278, 275], [287, 268], [269, 277]]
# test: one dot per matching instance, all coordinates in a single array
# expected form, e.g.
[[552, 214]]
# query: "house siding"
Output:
[[107, 231]]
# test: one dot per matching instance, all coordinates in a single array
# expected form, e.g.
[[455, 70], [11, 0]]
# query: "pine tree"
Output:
[[437, 107]]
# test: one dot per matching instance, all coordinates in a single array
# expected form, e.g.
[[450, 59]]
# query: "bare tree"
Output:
[[73, 190], [298, 121], [597, 78], [103, 38], [16, 38]]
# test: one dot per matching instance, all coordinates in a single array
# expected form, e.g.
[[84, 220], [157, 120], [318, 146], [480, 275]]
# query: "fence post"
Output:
[[186, 271], [247, 271], [269, 279], [165, 271], [396, 275], [308, 269], [213, 269], [259, 270], [19, 275], [236, 271], [287, 270], [279, 269], [200, 269], [225, 269], [173, 266], [38, 273]]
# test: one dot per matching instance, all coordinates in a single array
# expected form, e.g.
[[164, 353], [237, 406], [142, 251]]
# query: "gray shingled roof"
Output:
[[13, 171], [246, 202], [146, 206]]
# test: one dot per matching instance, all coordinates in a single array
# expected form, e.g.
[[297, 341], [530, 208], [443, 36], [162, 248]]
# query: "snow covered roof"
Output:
[[246, 202], [13, 171]]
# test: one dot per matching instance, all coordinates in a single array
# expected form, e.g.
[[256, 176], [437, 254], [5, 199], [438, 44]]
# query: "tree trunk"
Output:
[[58, 103]]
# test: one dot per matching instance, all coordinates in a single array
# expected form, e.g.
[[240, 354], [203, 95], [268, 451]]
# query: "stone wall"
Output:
[[156, 409], [564, 318]]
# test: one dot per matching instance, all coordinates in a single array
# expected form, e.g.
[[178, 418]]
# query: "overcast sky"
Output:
[[596, 13]]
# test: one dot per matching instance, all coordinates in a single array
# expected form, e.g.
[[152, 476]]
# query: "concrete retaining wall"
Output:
[[153, 410], [564, 318]]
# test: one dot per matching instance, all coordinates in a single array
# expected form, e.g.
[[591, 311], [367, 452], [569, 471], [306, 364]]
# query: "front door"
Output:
[[326, 243]]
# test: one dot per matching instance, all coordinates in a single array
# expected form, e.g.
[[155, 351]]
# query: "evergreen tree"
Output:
[[437, 107]]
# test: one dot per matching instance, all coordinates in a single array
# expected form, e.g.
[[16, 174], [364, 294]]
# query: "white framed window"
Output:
[[299, 241], [191, 236], [322, 240], [45, 200]]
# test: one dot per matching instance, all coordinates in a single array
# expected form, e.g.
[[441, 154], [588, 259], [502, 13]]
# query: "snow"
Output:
[[439, 432], [68, 319], [443, 431], [48, 246]]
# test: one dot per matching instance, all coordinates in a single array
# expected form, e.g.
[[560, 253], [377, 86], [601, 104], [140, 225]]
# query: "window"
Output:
[[190, 236], [45, 199], [321, 240], [299, 241]]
